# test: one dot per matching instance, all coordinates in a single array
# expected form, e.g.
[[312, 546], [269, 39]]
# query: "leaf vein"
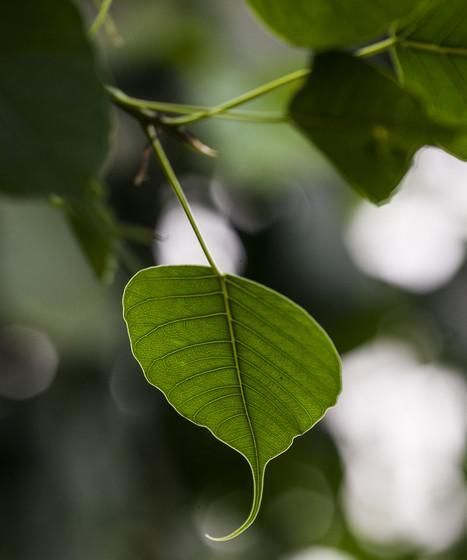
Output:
[[206, 405], [187, 347], [172, 297], [180, 320], [195, 375]]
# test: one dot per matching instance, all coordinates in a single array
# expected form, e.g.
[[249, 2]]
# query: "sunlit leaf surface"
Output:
[[233, 356]]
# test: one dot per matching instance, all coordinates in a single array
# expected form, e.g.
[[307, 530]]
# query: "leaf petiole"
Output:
[[167, 168]]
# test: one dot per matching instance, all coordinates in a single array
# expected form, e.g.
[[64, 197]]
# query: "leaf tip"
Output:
[[257, 496], [230, 536], [218, 539]]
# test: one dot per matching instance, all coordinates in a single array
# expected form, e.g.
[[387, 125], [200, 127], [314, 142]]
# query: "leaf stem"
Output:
[[241, 99], [101, 16], [370, 50], [376, 48], [125, 101], [178, 190], [194, 113]]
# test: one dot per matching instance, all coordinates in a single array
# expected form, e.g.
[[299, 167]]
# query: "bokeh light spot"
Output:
[[180, 246], [28, 362], [401, 428]]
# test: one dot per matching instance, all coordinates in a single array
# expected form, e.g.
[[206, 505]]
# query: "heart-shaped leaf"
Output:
[[234, 357], [54, 121], [322, 24], [364, 122]]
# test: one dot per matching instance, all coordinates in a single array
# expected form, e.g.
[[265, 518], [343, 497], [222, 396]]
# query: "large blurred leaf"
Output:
[[53, 110], [234, 357], [432, 60], [364, 123], [432, 57], [326, 24]]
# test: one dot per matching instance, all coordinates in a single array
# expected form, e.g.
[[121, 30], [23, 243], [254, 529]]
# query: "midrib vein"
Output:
[[228, 312], [432, 47]]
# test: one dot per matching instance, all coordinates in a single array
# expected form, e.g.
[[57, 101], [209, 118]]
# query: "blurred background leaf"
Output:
[[431, 58], [54, 112], [322, 25], [95, 229], [372, 139]]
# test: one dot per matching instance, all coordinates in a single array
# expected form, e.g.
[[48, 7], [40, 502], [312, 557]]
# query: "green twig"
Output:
[[153, 115], [101, 16], [241, 99], [376, 48], [124, 101], [194, 113]]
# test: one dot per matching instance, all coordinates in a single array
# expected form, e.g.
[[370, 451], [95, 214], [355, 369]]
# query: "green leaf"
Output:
[[326, 24], [431, 56], [432, 59], [96, 231], [54, 121], [234, 357], [366, 125]]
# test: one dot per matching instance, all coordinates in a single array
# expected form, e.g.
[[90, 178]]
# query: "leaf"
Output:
[[54, 122], [431, 56], [322, 24], [234, 357], [93, 224], [366, 125]]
